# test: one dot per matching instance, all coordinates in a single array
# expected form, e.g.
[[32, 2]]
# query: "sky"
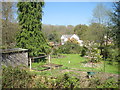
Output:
[[70, 13]]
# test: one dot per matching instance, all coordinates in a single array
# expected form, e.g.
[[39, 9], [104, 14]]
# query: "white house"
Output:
[[65, 38]]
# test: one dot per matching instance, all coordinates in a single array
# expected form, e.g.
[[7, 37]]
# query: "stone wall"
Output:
[[15, 57]]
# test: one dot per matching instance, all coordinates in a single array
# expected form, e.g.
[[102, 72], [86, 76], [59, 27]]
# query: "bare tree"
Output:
[[9, 25]]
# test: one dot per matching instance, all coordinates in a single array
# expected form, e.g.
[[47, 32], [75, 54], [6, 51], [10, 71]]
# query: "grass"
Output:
[[76, 62], [74, 59], [38, 66], [111, 68]]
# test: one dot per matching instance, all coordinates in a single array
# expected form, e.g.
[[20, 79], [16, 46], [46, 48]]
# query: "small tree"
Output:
[[94, 53]]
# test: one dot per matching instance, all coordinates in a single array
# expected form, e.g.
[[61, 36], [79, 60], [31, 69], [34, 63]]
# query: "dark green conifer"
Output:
[[31, 36]]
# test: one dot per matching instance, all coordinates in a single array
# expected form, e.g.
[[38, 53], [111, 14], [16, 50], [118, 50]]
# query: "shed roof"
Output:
[[13, 50]]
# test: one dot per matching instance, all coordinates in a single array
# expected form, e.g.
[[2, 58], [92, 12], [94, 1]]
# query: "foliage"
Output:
[[56, 51], [66, 81], [53, 37], [112, 54], [59, 82], [20, 78], [109, 83], [69, 48], [98, 29], [94, 53], [54, 32], [95, 33], [16, 78], [80, 30], [96, 82], [101, 14], [116, 22], [84, 51], [116, 29], [72, 40], [31, 36], [9, 25]]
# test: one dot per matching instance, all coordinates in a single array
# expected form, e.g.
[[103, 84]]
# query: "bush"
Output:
[[109, 83], [20, 78], [83, 51], [16, 78], [66, 81], [70, 48], [112, 54], [94, 54], [55, 51], [96, 82]]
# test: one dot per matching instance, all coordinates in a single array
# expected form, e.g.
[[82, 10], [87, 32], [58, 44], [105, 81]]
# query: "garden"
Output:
[[92, 64], [76, 62], [72, 74]]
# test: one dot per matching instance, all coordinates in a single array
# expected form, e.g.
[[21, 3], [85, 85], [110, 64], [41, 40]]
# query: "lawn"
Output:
[[76, 62]]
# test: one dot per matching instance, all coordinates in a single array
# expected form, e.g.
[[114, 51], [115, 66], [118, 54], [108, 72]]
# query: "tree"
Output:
[[9, 25], [54, 32], [95, 33], [70, 29], [116, 25], [100, 14], [53, 37], [80, 30], [116, 22], [31, 36], [101, 18]]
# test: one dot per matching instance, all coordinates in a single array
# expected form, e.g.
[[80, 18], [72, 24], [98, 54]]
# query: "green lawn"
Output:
[[76, 62], [38, 66], [74, 59]]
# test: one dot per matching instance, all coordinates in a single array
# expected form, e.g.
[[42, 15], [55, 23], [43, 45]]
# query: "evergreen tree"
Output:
[[116, 30], [31, 36], [116, 21]]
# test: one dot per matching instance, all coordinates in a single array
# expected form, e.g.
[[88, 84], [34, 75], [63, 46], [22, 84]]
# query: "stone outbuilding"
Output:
[[14, 57]]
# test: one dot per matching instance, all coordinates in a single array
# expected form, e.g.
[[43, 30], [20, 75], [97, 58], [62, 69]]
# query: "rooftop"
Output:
[[13, 50]]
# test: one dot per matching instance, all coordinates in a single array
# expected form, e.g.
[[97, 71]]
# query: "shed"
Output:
[[14, 57]]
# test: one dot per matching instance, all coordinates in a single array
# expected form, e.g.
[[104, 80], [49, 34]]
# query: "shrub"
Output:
[[83, 51], [55, 51], [70, 48], [96, 82], [109, 83], [94, 54], [112, 54], [66, 81], [16, 78]]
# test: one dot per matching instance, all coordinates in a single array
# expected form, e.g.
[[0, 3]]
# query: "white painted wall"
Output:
[[64, 39]]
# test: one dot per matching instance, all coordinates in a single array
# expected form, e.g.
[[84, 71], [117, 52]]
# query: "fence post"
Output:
[[49, 58], [30, 63]]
